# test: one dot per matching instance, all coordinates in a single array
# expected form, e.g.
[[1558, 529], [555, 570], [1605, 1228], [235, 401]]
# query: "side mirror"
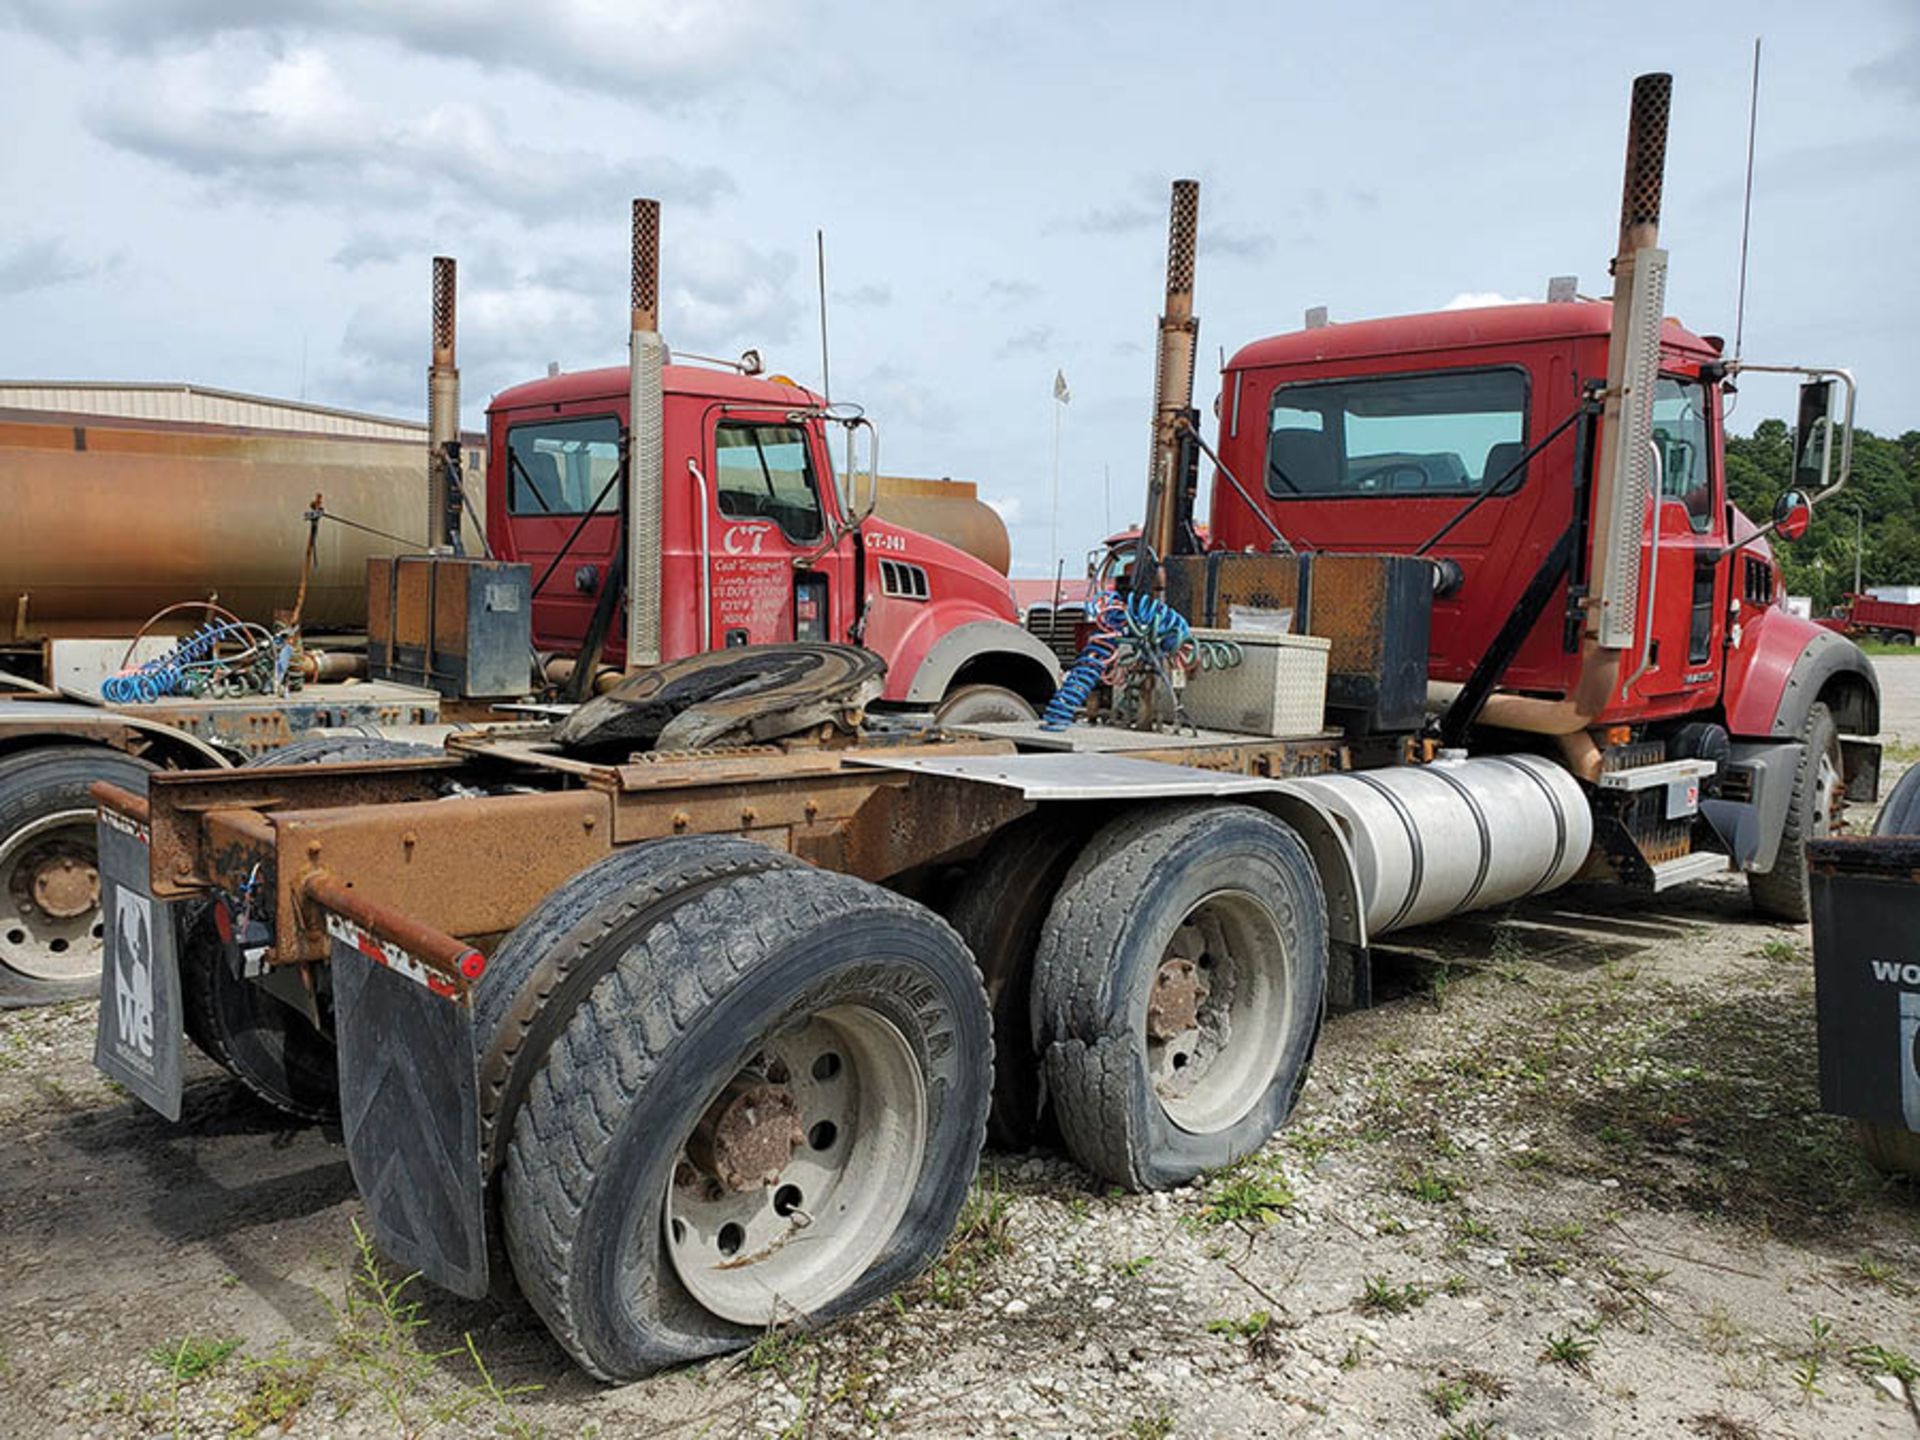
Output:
[[1792, 513], [1813, 439]]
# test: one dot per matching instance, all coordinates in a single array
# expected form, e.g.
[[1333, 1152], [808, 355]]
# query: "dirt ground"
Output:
[[1568, 1179]]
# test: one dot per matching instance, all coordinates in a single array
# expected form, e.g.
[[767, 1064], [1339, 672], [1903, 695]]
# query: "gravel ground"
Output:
[[1567, 1179]]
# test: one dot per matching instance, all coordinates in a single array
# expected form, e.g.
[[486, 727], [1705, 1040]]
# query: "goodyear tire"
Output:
[[1781, 893], [1178, 991], [50, 943], [1000, 910], [267, 1045], [782, 1053]]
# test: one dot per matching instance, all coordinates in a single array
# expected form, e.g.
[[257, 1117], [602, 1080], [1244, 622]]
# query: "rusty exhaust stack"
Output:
[[646, 480], [1173, 362], [444, 503], [1622, 473]]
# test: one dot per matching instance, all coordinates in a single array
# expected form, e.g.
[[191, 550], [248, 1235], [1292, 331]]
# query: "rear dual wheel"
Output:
[[767, 1104], [1178, 991]]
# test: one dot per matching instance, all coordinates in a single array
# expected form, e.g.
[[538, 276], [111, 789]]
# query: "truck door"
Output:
[[779, 566], [1690, 525], [559, 474]]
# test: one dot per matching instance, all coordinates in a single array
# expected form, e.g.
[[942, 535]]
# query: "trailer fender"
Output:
[[24, 723], [985, 652], [1784, 665]]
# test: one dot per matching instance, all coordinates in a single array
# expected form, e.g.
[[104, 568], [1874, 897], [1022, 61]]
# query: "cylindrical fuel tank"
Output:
[[1435, 840], [949, 510], [109, 518]]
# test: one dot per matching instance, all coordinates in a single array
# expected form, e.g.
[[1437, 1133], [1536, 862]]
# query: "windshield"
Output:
[[1453, 432], [561, 467]]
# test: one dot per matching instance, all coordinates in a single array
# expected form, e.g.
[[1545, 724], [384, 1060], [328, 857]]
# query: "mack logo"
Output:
[[744, 539], [1895, 973]]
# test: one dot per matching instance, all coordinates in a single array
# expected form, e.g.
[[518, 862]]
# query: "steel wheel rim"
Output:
[[1826, 792], [1211, 1074], [792, 1244], [33, 942]]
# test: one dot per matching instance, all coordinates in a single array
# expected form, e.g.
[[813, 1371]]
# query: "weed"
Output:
[[982, 1236], [1157, 1424], [1381, 1298], [1471, 1430], [777, 1350], [282, 1386], [1456, 1285], [1807, 1376], [1247, 1328], [1388, 1224], [1355, 1351], [1878, 1360], [1428, 1187], [1571, 1350], [1260, 1198], [1877, 1272], [192, 1359], [1448, 1398], [1780, 950], [1471, 1227], [1135, 1267]]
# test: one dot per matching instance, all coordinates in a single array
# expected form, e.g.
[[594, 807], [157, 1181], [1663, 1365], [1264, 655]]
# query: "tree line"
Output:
[[1884, 493]]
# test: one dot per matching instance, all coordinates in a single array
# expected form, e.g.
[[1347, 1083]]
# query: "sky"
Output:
[[247, 195]]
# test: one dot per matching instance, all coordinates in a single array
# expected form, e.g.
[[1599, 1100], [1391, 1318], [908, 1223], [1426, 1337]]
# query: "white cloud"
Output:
[[1481, 299], [642, 50], [1007, 507], [37, 263], [299, 131]]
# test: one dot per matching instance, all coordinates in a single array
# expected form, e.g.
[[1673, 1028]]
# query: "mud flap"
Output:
[[138, 1039], [410, 1109]]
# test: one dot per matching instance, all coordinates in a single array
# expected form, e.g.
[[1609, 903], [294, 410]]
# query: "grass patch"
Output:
[[281, 1386], [1258, 1197], [1379, 1297], [1878, 1360], [192, 1358], [1247, 1327], [1429, 1187], [1569, 1349], [1448, 1398], [983, 1236]]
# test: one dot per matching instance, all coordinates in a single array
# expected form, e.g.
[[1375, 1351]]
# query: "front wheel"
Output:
[[1782, 893], [770, 1106], [983, 705], [1178, 991]]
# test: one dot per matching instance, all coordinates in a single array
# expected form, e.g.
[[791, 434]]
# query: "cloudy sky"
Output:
[[246, 193]]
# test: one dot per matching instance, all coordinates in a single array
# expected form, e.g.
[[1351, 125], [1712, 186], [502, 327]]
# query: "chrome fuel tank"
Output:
[[1435, 840]]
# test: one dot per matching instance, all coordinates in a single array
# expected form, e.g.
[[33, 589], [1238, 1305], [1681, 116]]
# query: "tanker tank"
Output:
[[948, 510], [125, 499]]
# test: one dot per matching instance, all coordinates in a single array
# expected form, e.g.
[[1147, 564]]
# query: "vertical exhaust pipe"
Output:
[[444, 502], [646, 481], [1173, 362], [1623, 473]]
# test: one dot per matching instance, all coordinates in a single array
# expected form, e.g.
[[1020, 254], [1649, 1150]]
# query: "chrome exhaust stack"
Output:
[[646, 480], [444, 502], [1623, 476], [1174, 352]]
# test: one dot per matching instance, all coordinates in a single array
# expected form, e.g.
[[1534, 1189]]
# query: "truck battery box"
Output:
[[447, 623]]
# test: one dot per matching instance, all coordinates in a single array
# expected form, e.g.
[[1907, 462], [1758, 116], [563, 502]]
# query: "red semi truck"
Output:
[[1897, 622]]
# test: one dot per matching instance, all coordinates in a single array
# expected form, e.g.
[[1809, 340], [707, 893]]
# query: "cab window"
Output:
[[1680, 436], [562, 467], [1452, 432], [764, 472]]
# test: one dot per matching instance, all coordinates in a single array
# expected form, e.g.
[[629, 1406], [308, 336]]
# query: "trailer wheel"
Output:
[[50, 927], [983, 705], [1000, 909], [1178, 991], [1782, 892], [769, 1106], [267, 1045]]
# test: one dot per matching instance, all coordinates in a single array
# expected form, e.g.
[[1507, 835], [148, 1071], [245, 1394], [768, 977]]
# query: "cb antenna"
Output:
[[820, 253], [1746, 218]]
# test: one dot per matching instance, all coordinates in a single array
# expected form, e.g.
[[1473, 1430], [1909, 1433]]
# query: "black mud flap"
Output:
[[138, 1039], [410, 1109]]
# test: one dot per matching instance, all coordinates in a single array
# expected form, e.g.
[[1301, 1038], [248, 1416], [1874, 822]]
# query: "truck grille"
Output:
[[1058, 628]]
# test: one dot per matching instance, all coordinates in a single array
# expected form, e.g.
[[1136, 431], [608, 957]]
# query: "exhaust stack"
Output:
[[1623, 474], [444, 502], [1172, 376], [647, 356]]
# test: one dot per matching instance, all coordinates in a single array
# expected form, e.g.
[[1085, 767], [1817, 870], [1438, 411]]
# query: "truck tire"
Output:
[[1900, 811], [1781, 893], [50, 927], [1000, 909], [1178, 991], [267, 1045], [778, 1045], [539, 975], [983, 705]]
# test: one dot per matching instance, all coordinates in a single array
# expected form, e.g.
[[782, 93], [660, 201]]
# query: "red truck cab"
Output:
[[758, 544]]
